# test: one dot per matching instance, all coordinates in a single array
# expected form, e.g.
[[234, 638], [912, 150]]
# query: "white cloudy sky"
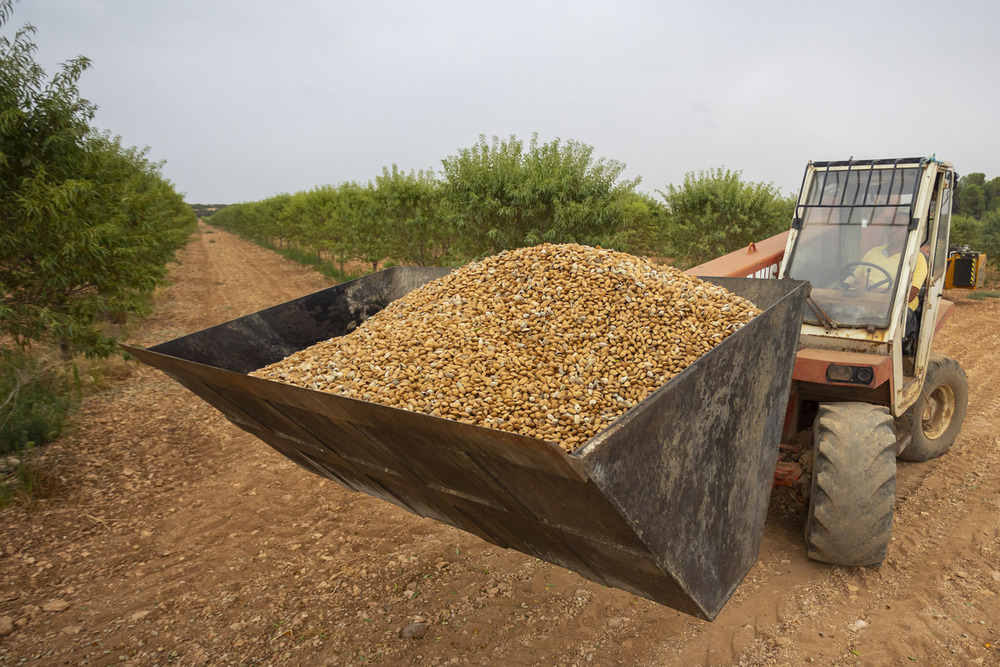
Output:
[[246, 99]]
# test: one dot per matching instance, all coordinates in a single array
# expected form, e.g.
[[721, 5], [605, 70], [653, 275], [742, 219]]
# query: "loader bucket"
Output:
[[668, 502]]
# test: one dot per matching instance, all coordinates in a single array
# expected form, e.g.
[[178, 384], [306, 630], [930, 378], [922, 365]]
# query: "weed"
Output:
[[38, 388], [23, 475], [34, 400], [309, 259]]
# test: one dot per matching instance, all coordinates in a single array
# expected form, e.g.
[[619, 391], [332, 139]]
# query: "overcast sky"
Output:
[[247, 99]]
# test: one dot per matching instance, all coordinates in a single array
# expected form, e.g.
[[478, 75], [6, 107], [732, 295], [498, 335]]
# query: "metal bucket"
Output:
[[668, 502]]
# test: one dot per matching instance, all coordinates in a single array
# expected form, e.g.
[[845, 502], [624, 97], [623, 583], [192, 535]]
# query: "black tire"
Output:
[[853, 484], [935, 420]]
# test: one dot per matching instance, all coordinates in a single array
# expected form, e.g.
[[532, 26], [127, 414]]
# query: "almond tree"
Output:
[[509, 196], [412, 209], [716, 212], [86, 224]]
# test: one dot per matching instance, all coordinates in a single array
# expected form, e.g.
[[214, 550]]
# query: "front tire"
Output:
[[935, 419], [853, 484]]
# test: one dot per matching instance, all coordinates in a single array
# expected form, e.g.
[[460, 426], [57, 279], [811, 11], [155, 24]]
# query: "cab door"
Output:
[[939, 227]]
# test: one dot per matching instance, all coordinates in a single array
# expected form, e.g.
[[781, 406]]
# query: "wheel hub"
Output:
[[938, 411]]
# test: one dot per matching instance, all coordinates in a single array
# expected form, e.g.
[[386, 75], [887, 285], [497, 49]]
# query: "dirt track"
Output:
[[177, 538]]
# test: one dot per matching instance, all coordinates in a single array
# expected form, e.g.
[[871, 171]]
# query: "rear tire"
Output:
[[935, 420], [853, 484]]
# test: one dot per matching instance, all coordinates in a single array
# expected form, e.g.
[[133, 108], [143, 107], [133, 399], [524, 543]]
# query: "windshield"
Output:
[[853, 230]]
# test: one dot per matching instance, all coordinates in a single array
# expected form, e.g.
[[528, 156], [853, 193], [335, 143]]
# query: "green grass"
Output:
[[982, 296], [35, 400], [309, 258]]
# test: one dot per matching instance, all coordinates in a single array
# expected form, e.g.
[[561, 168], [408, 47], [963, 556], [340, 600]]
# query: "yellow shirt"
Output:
[[890, 263]]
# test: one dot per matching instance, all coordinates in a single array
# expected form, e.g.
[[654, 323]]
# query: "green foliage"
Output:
[[989, 241], [645, 225], [966, 230], [975, 196], [971, 201], [347, 225], [975, 218], [991, 192], [412, 210], [372, 234], [33, 403], [86, 224], [715, 212], [507, 196], [977, 178], [257, 221], [341, 222], [503, 194], [491, 197]]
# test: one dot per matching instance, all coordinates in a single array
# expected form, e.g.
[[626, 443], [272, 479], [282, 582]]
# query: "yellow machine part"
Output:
[[965, 270]]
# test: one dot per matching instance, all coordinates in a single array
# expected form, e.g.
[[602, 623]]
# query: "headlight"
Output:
[[849, 374]]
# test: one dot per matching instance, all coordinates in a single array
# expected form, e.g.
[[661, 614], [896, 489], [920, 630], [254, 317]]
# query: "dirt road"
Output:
[[175, 538]]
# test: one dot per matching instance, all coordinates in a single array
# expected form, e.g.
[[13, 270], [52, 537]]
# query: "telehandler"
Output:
[[669, 501], [865, 376]]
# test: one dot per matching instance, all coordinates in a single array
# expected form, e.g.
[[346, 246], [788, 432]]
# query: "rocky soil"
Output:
[[169, 536]]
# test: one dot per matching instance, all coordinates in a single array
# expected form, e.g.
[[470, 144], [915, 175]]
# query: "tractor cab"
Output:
[[871, 236], [851, 253]]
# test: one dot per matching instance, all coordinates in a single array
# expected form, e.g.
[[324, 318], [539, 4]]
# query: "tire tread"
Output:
[[854, 484]]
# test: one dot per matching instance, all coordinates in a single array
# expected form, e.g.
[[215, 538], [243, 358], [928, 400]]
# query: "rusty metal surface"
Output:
[[758, 260], [811, 364], [668, 502]]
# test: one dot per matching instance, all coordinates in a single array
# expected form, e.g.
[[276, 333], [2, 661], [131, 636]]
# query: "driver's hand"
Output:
[[848, 286]]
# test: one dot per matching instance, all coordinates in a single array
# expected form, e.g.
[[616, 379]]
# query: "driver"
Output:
[[879, 256]]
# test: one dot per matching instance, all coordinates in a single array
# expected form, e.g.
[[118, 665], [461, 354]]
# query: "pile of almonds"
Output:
[[553, 342]]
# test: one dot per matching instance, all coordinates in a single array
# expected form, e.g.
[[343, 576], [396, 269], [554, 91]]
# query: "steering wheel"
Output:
[[847, 270]]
